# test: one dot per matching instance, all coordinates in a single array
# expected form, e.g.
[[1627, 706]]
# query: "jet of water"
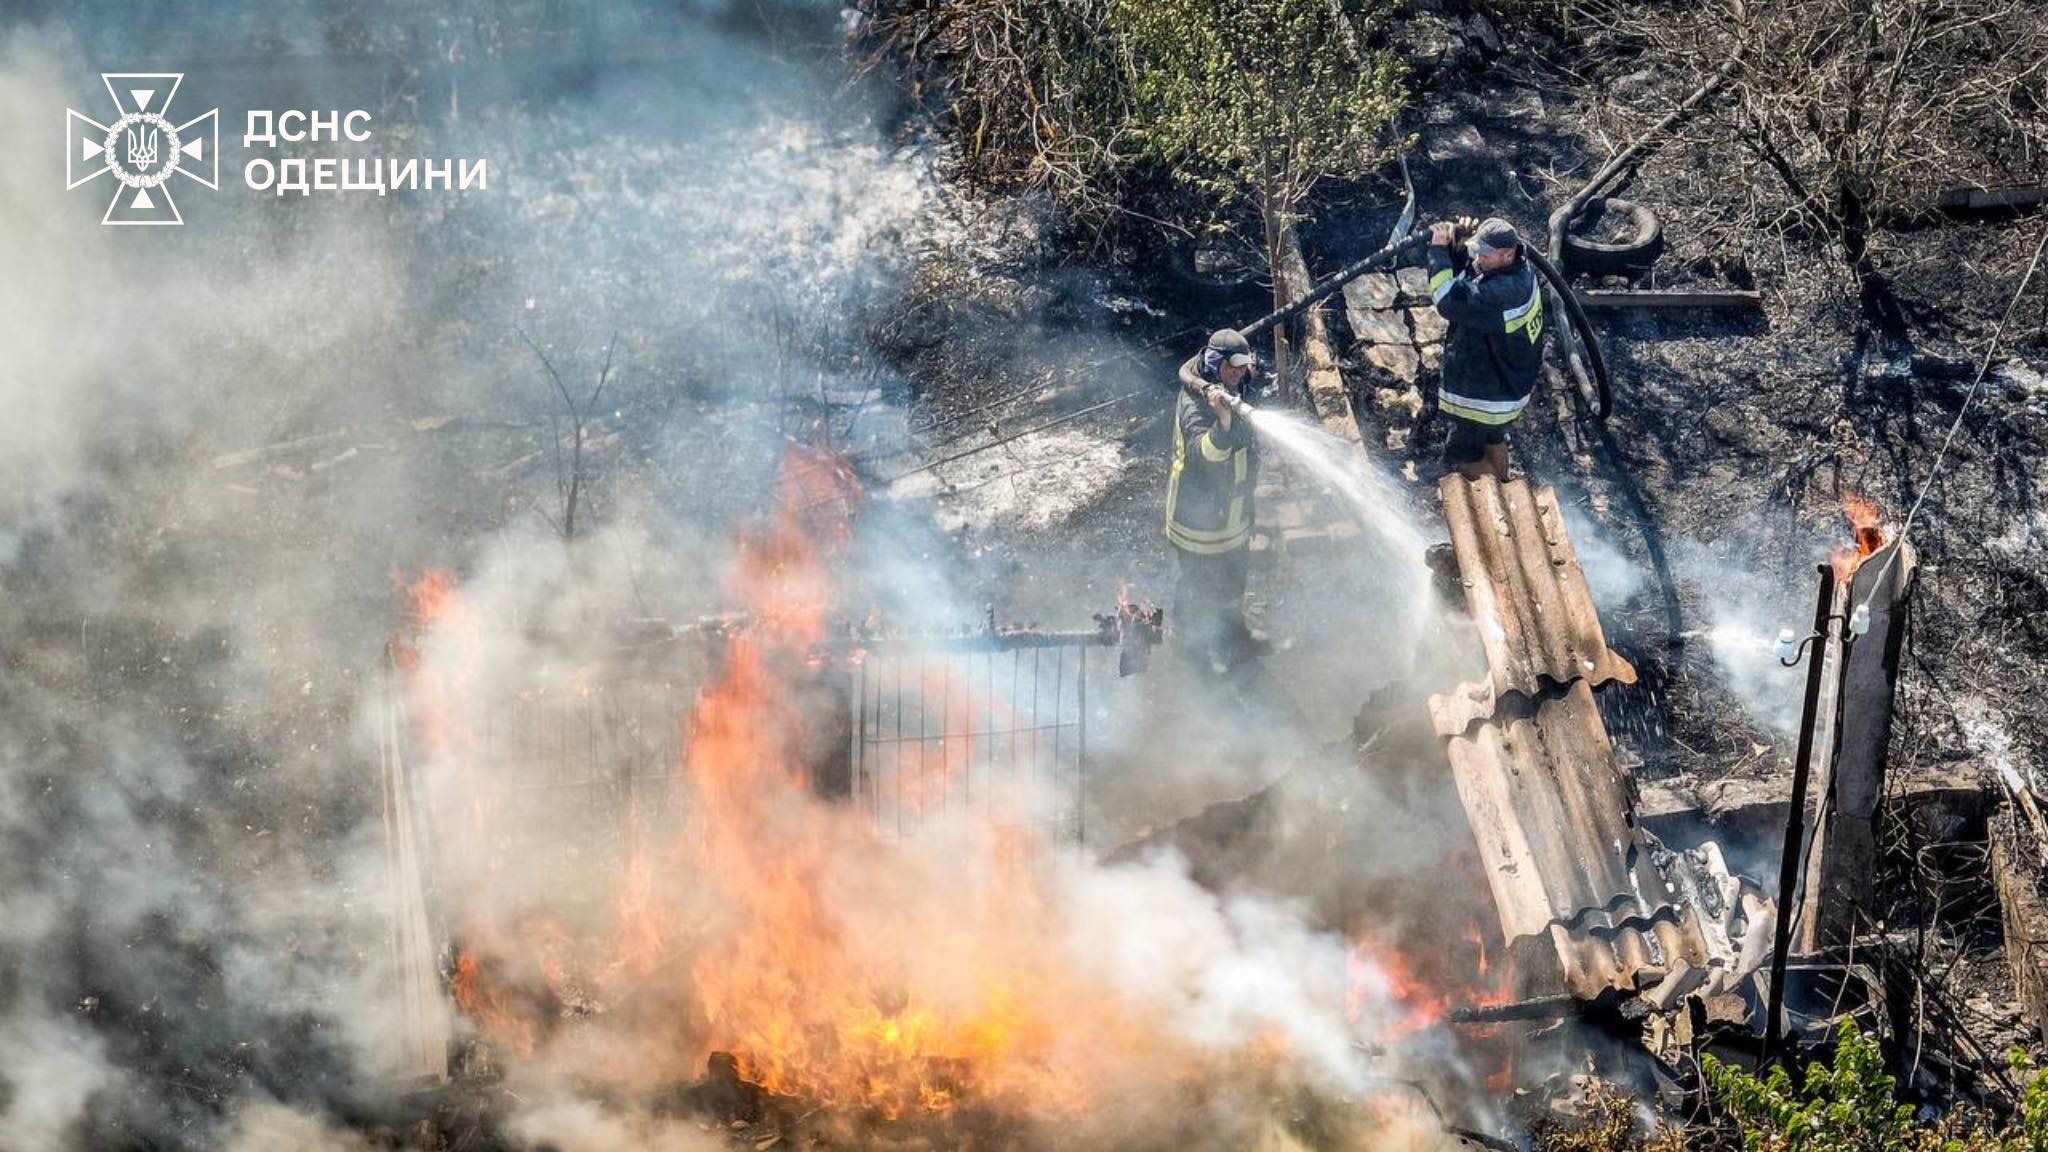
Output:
[[1380, 507]]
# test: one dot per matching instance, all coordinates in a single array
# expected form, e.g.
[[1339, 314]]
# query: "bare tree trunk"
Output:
[[1270, 218]]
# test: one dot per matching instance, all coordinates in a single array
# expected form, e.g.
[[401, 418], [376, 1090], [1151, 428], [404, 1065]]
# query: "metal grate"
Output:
[[1001, 732], [603, 760]]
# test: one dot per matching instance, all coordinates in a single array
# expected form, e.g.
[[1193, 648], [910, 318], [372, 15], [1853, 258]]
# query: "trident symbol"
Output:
[[141, 148], [142, 153]]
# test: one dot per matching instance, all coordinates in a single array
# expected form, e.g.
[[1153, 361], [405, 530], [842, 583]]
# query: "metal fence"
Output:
[[573, 770], [603, 761], [1001, 732]]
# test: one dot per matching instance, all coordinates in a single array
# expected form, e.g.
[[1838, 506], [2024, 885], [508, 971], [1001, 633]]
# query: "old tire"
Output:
[[1219, 272], [1642, 241]]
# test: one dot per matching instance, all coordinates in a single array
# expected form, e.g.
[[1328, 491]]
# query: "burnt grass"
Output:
[[1744, 429]]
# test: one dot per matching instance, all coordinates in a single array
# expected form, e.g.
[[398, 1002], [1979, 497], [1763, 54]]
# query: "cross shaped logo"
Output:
[[142, 148]]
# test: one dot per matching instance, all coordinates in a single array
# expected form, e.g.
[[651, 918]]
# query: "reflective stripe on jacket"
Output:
[[1209, 491], [1494, 348]]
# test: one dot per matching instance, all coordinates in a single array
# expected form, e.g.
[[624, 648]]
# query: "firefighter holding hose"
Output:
[[1493, 350], [1209, 501]]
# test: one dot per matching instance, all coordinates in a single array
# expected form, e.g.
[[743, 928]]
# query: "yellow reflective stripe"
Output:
[[1180, 455], [1438, 281], [1230, 528], [1236, 527], [1530, 313], [1213, 452], [1207, 549], [1476, 415], [1236, 530]]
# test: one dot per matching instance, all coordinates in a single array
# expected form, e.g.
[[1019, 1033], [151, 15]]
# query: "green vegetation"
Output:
[[1850, 1105], [1248, 100], [1259, 98], [1845, 1104]]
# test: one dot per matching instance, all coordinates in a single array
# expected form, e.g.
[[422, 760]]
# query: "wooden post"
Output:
[[1321, 378], [1841, 869], [2025, 914]]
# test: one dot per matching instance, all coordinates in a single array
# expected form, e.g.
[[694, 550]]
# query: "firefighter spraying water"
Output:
[[1210, 499]]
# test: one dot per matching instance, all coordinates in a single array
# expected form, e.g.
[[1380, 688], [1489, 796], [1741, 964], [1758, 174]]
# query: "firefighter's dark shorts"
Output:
[[1469, 438]]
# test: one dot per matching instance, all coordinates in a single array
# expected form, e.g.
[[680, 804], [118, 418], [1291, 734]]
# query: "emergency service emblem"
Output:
[[143, 148]]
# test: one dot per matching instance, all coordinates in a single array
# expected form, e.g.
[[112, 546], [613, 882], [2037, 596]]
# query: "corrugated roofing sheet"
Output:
[[1525, 591], [1586, 898], [1553, 814]]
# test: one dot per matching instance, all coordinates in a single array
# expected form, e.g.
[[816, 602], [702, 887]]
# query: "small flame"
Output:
[[436, 608], [1866, 519], [1382, 975]]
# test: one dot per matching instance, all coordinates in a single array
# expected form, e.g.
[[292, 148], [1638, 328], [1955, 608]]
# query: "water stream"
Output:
[[1366, 491]]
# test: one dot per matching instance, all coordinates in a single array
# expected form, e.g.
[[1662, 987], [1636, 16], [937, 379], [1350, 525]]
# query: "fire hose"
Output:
[[1603, 401], [1596, 361], [1414, 241]]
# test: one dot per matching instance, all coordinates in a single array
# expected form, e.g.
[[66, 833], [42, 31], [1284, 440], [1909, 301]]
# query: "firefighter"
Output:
[[1209, 502], [1493, 350]]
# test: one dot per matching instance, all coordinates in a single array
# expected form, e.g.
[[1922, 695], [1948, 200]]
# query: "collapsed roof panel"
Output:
[[1526, 591], [1587, 899]]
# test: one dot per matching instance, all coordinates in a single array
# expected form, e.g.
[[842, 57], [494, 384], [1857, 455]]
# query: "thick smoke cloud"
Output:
[[195, 950], [192, 858]]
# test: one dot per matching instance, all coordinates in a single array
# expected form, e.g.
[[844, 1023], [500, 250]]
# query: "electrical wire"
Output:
[[1941, 457], [1019, 435]]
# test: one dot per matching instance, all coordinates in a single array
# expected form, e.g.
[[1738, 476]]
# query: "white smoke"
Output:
[[1750, 593], [194, 872]]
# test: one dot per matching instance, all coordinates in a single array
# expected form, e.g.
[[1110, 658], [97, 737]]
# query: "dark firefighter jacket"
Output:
[[1209, 493], [1494, 347]]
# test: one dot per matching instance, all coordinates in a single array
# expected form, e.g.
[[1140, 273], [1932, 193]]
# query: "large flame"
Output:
[[802, 1008], [883, 979]]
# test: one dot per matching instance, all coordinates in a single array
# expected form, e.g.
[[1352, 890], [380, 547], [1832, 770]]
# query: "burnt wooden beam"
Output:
[[1321, 378], [2017, 875], [1678, 809], [1536, 1008], [1611, 298], [1978, 198], [1841, 874]]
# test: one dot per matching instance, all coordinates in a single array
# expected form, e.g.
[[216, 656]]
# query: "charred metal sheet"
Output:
[[1554, 816], [1706, 933], [1587, 900], [1526, 593]]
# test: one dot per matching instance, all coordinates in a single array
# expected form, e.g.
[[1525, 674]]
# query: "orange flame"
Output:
[[491, 1005], [739, 928], [1383, 974], [1423, 977], [802, 1009], [436, 608], [643, 935], [1866, 519]]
